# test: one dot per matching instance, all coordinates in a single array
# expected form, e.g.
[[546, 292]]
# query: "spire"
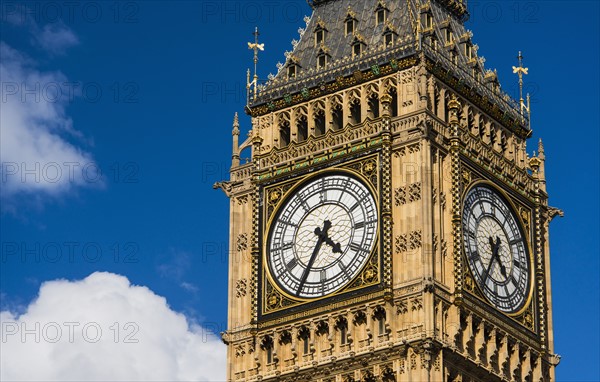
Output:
[[235, 157], [520, 71], [255, 46], [542, 171], [236, 124]]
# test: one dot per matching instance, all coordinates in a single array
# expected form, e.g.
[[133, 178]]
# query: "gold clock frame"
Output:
[[476, 291], [365, 169]]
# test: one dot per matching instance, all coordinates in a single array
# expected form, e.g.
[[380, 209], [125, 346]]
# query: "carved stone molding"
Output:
[[241, 286]]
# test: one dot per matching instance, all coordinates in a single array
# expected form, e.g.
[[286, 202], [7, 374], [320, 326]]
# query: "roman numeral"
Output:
[[517, 263], [357, 248], [354, 206], [474, 256], [323, 275], [291, 264], [515, 241], [288, 223], [362, 224]]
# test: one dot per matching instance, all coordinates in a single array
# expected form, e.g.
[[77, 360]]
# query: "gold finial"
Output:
[[520, 71], [534, 163], [453, 106], [453, 103], [255, 46]]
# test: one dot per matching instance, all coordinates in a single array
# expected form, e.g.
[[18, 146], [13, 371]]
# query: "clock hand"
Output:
[[495, 251], [322, 235], [336, 247], [502, 267], [487, 271]]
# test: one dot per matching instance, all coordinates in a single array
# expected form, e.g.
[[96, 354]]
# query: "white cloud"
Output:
[[168, 347], [55, 38], [38, 148]]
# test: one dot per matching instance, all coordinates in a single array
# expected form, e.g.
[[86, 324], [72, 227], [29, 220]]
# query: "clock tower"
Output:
[[389, 224]]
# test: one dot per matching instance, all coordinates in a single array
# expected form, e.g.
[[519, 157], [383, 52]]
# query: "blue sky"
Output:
[[144, 93]]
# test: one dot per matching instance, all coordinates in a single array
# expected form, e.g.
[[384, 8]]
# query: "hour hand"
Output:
[[495, 249], [336, 247], [324, 236]]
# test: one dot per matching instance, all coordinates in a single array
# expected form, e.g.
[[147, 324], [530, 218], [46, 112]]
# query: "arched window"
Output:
[[284, 134], [341, 326], [337, 117], [267, 345], [355, 112], [304, 337], [379, 316]]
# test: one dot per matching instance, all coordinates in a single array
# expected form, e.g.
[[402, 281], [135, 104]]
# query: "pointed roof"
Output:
[[407, 19]]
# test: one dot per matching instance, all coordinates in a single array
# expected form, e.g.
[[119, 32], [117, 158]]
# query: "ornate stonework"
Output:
[[420, 122]]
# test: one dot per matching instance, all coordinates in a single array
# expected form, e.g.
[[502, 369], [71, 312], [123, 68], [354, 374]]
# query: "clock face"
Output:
[[322, 236], [495, 248]]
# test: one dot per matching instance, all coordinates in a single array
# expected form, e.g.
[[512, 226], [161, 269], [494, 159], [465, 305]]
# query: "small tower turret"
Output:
[[542, 171], [235, 157]]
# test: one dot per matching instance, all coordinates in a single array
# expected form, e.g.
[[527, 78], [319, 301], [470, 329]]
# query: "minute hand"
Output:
[[322, 236], [495, 255]]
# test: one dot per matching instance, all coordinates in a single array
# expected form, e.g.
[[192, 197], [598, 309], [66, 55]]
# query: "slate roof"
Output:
[[402, 18], [332, 15]]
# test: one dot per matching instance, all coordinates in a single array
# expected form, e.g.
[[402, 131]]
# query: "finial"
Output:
[[520, 71], [453, 103], [235, 156], [540, 146], [255, 46], [236, 124], [534, 163]]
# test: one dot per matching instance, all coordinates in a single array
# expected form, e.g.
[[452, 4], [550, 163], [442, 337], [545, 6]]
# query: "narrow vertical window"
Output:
[[453, 57], [267, 346], [321, 61], [292, 71], [380, 16], [349, 27], [343, 335], [469, 50], [304, 336], [428, 21], [356, 49], [388, 39], [434, 43], [381, 326], [379, 316], [449, 36], [319, 37]]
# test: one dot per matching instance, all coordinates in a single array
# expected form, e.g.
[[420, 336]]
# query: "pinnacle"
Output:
[[236, 124]]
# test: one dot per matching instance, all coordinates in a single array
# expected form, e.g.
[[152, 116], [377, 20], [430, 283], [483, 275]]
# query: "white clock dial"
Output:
[[495, 248], [322, 236]]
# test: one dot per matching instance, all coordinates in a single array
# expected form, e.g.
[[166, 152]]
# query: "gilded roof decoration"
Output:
[[402, 18]]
